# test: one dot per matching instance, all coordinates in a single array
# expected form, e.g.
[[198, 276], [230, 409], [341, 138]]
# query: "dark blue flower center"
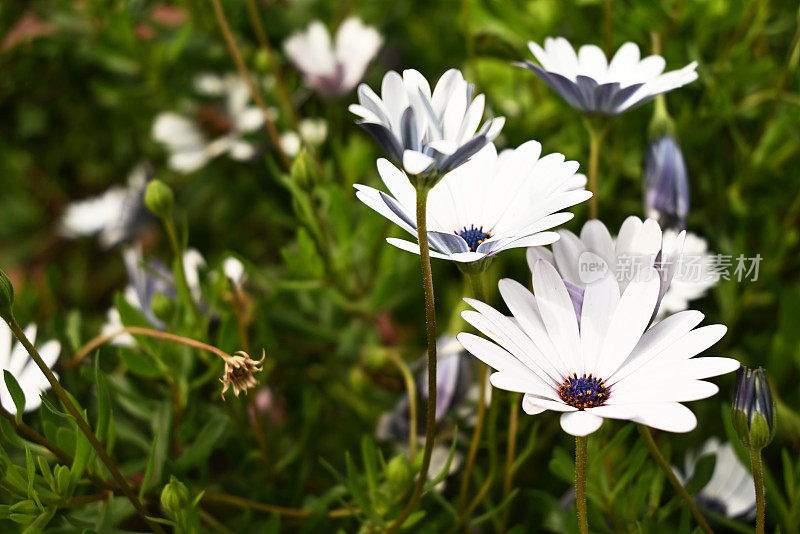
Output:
[[712, 503], [473, 236], [583, 392]]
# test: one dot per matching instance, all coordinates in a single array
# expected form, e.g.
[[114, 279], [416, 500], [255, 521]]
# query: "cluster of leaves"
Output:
[[327, 296]]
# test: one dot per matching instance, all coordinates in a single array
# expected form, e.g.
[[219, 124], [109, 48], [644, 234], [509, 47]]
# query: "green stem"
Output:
[[596, 137], [580, 483], [758, 480], [177, 251], [647, 437], [478, 293], [511, 450], [608, 12], [411, 389], [430, 317], [83, 425]]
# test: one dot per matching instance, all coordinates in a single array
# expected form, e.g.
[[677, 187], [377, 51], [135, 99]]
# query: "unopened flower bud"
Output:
[[398, 472], [666, 183], [159, 199], [175, 495], [303, 169], [753, 412], [162, 306], [6, 296]]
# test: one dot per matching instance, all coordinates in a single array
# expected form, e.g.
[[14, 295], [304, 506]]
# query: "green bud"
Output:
[[753, 413], [303, 172], [159, 199], [6, 296], [374, 358], [162, 306], [661, 124], [398, 473], [175, 495], [358, 380]]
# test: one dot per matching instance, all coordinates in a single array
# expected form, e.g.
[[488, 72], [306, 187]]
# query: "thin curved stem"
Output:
[[758, 480], [141, 331], [608, 13], [430, 317], [244, 72], [647, 437], [580, 483], [83, 426], [177, 252], [411, 390], [596, 137], [511, 451], [241, 502]]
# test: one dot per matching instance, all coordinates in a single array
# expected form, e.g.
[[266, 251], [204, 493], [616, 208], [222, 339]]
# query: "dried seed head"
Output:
[[239, 370]]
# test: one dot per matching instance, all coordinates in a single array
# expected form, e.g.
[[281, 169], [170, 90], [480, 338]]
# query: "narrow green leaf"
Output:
[[47, 473], [103, 403], [207, 438], [17, 395]]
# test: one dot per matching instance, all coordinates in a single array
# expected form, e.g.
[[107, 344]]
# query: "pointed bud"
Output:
[[753, 412], [6, 296], [303, 170], [666, 183], [175, 495], [159, 199], [398, 473]]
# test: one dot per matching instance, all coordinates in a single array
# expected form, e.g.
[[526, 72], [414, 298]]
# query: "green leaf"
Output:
[[82, 457], [103, 403], [702, 474], [47, 474], [17, 395], [207, 438]]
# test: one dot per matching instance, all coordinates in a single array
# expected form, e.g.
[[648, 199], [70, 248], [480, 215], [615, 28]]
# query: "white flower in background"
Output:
[[589, 82], [290, 143], [638, 246], [694, 274], [15, 359], [610, 365], [492, 203], [146, 278], [333, 69], [114, 217], [234, 271], [211, 131], [730, 491], [313, 131], [426, 132]]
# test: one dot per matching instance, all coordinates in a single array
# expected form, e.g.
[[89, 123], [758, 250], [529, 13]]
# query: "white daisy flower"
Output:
[[333, 68], [694, 274], [234, 270], [610, 365], [313, 131], [195, 140], [492, 203], [290, 143], [113, 217], [16, 360], [638, 246], [422, 131], [730, 492], [589, 82]]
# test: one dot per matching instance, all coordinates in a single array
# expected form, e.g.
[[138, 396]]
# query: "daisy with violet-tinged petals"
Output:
[[212, 130], [333, 69], [15, 359], [638, 247], [730, 490], [610, 365], [591, 83], [491, 203], [427, 133]]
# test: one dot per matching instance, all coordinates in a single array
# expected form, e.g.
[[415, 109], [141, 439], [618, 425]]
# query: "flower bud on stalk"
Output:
[[753, 412], [159, 199], [175, 496]]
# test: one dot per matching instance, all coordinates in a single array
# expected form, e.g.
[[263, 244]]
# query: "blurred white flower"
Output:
[[15, 359], [611, 364], [114, 217], [234, 270], [589, 82], [195, 140], [426, 132], [694, 274], [313, 131], [333, 69], [491, 203], [730, 491], [290, 143]]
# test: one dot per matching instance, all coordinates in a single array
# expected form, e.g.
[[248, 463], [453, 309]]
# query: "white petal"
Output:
[[580, 423], [533, 405], [416, 162], [668, 416]]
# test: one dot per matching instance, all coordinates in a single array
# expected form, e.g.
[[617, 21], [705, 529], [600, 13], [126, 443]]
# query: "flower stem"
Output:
[[141, 331], [241, 502], [244, 72], [177, 252], [580, 483], [83, 425], [411, 390], [758, 480], [478, 293], [608, 12], [430, 318], [596, 137], [647, 437], [511, 451]]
